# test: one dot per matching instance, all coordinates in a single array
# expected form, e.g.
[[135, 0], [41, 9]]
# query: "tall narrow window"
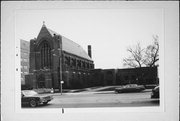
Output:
[[45, 55]]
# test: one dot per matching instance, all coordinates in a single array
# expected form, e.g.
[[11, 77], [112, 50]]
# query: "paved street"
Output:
[[101, 99]]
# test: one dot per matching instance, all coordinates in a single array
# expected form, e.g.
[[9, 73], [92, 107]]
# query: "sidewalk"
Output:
[[91, 92]]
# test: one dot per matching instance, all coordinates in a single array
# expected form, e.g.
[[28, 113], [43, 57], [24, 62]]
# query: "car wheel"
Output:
[[45, 103], [33, 103]]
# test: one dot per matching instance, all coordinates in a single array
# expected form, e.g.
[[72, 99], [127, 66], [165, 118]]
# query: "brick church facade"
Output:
[[53, 57]]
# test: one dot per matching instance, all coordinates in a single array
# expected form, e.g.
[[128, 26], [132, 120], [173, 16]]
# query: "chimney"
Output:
[[89, 51]]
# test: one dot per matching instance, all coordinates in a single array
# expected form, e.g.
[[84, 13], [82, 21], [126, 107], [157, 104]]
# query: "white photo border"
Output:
[[149, 113]]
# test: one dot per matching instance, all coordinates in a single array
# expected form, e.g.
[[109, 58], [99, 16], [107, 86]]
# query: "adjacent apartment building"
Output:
[[24, 45]]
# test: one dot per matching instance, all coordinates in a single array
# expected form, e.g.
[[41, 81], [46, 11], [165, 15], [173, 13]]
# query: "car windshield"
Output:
[[130, 85], [133, 85], [29, 93]]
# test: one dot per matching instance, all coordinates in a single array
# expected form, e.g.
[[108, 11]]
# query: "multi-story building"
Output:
[[55, 58], [24, 60]]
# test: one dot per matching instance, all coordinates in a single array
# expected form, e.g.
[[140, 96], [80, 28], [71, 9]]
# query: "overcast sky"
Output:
[[108, 31]]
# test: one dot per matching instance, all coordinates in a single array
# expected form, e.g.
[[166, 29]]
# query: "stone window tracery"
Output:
[[45, 55]]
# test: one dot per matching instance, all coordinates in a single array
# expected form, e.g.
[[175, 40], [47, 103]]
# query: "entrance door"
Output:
[[41, 81]]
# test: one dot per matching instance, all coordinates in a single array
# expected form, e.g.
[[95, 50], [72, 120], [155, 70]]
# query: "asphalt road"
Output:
[[105, 99]]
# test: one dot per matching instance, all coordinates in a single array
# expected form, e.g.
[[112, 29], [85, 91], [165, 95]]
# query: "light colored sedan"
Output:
[[130, 88], [34, 99]]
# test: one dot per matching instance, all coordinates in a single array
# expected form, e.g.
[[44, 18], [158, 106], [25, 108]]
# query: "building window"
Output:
[[25, 54], [25, 67], [74, 62], [91, 66], [25, 60], [87, 65], [67, 61], [83, 64], [79, 63], [45, 55]]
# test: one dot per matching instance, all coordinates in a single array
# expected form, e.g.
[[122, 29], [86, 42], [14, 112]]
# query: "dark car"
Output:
[[33, 99], [155, 92], [130, 88]]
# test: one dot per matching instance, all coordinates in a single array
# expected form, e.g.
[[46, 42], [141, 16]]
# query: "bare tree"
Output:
[[136, 57], [143, 56], [152, 53]]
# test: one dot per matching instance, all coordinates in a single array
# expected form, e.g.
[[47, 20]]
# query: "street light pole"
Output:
[[61, 87], [60, 65], [60, 62]]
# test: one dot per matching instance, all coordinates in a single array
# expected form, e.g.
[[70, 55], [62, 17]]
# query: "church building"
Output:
[[54, 58]]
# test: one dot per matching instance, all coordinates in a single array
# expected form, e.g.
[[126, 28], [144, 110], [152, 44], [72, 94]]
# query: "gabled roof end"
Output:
[[44, 24]]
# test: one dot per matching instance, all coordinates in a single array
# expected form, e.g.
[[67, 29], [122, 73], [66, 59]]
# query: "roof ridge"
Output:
[[50, 30], [62, 36]]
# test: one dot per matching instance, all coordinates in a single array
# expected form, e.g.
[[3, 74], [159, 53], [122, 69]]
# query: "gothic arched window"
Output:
[[45, 55]]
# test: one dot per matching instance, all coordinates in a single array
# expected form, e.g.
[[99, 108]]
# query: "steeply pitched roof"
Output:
[[70, 46], [74, 48], [52, 32]]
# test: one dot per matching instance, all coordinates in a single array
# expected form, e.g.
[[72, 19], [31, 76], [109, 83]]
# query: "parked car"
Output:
[[155, 92], [130, 88], [34, 99]]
